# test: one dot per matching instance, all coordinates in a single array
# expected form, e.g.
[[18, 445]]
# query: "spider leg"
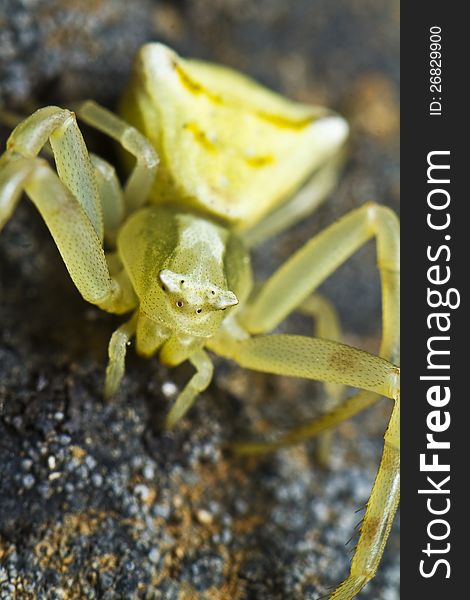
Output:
[[301, 274], [338, 408], [198, 383], [306, 201], [327, 326], [381, 508], [69, 202], [321, 425], [304, 271], [117, 353], [310, 266], [326, 360], [311, 358], [140, 180], [329, 361], [59, 127], [111, 196]]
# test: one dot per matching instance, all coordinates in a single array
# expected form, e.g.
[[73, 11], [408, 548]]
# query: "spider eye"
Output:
[[199, 310], [179, 304], [164, 288]]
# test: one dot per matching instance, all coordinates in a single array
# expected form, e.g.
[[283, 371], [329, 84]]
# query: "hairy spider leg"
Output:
[[333, 362]]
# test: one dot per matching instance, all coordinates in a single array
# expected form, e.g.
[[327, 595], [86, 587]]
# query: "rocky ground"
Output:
[[96, 501]]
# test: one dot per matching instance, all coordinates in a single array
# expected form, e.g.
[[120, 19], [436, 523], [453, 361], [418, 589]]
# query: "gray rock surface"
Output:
[[96, 501]]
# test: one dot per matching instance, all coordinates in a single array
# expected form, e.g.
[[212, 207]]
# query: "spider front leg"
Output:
[[381, 508], [140, 180], [306, 270], [332, 362], [325, 360], [59, 127], [69, 202], [300, 275]]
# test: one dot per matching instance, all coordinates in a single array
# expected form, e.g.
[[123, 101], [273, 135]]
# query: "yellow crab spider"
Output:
[[219, 162]]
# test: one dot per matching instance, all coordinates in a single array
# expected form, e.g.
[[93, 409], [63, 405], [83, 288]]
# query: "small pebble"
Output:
[[204, 517]]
